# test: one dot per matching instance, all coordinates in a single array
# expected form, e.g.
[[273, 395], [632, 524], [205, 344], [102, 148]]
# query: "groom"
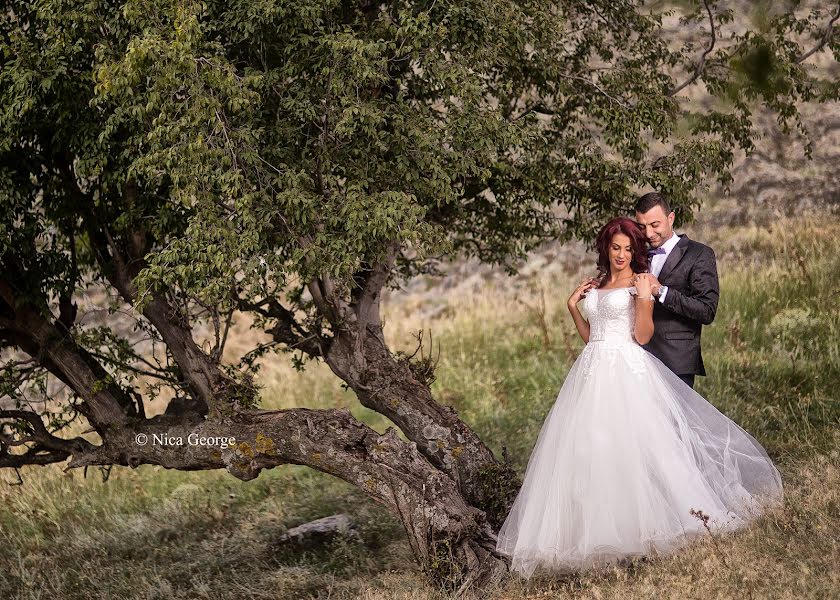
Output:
[[684, 280]]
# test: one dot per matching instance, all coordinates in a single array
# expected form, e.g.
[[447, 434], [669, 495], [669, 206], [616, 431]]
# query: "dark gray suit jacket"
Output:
[[690, 272]]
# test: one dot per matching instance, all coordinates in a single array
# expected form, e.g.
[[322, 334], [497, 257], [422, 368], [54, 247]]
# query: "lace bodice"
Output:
[[611, 314]]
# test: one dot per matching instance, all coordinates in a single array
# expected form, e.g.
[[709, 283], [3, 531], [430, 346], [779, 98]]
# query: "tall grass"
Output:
[[774, 367], [773, 350]]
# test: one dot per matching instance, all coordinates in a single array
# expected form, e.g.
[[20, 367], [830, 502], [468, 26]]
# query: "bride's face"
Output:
[[621, 252]]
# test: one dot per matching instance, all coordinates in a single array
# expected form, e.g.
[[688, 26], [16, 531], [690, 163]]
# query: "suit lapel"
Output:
[[674, 257]]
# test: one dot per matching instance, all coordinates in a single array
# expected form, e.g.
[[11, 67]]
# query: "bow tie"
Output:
[[655, 251]]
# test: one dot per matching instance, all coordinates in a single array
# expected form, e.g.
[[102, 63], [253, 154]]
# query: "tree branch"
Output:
[[106, 405], [45, 448], [367, 298], [701, 63], [287, 330], [824, 40]]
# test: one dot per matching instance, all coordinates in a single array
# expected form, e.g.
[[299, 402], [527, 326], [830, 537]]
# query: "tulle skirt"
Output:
[[625, 454]]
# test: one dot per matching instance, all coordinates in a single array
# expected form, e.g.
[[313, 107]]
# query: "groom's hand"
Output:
[[654, 284]]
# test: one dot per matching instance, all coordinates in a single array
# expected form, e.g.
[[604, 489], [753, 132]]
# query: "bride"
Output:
[[628, 452]]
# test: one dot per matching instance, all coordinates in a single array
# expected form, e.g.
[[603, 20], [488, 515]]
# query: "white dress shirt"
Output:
[[658, 260]]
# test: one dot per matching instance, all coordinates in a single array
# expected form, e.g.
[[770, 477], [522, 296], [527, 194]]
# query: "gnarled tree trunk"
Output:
[[440, 483]]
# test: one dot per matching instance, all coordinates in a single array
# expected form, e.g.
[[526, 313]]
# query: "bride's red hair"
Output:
[[639, 263]]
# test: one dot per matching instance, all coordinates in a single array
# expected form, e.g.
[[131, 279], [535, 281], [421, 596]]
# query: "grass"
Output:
[[774, 367]]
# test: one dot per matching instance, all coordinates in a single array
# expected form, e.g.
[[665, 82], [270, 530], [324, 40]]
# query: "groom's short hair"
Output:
[[651, 199]]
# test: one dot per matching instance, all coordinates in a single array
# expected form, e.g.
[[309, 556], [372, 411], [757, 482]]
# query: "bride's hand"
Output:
[[579, 291], [643, 284]]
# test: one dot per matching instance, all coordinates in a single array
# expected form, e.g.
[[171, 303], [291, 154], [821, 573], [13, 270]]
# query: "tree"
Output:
[[290, 159]]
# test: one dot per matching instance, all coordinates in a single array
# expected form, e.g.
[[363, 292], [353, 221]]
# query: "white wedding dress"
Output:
[[625, 453]]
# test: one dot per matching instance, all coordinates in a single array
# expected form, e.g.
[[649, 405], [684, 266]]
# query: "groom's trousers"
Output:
[[689, 379]]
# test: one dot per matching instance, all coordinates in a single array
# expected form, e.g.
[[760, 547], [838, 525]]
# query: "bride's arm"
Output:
[[643, 329], [581, 323]]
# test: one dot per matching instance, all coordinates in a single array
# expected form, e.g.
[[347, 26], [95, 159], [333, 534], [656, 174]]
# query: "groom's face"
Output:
[[656, 225]]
